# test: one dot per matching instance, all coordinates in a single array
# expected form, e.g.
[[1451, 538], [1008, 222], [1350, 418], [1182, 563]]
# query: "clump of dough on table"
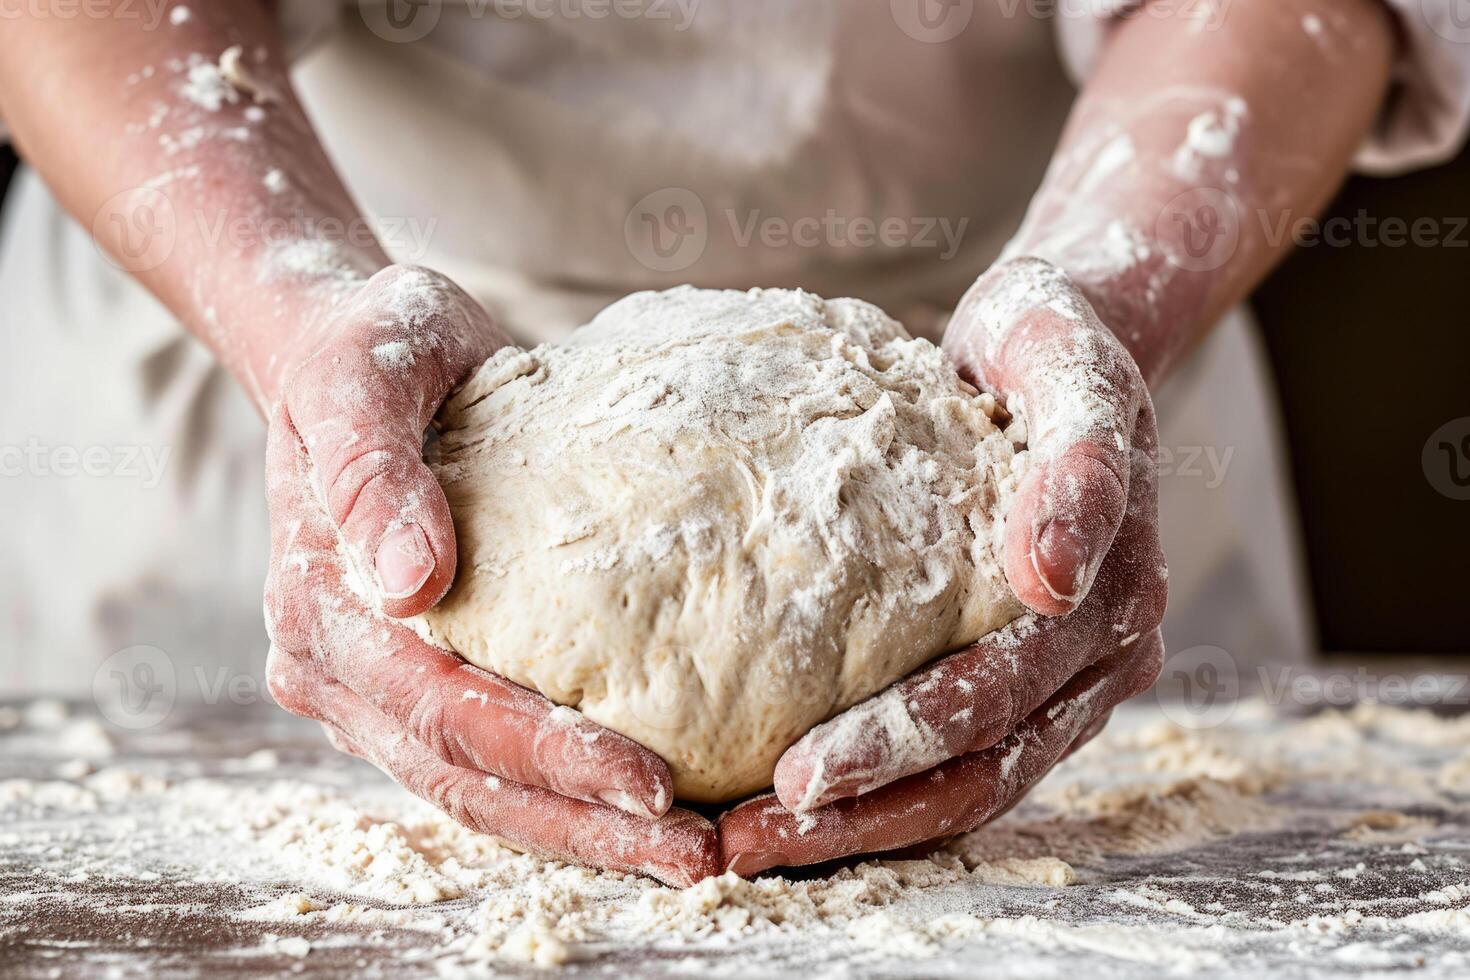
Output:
[[713, 519]]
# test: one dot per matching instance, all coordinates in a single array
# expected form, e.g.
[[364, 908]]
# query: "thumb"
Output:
[[385, 502], [361, 406], [1062, 524], [1041, 346]]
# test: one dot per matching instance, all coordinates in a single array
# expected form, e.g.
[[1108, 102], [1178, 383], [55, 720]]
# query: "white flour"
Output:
[[730, 514], [1311, 840]]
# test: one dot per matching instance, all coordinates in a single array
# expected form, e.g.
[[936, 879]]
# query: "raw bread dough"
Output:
[[713, 519]]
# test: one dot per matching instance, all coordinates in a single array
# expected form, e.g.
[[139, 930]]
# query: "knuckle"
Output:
[[271, 607], [440, 786], [348, 480], [284, 681], [1144, 670], [1149, 613], [427, 721], [282, 609], [1157, 598], [1110, 466]]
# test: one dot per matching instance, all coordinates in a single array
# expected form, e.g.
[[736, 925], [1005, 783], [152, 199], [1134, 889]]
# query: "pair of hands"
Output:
[[362, 535]]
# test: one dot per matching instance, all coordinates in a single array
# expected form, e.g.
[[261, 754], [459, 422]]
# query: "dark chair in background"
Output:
[[1370, 344]]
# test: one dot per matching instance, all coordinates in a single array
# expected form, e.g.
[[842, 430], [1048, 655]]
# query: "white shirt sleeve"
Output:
[[303, 23], [1427, 113]]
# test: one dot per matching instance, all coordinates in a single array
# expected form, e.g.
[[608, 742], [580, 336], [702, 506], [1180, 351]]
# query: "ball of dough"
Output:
[[713, 519]]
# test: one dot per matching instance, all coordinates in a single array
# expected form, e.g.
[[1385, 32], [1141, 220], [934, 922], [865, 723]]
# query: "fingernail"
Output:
[[626, 802], [1061, 559], [404, 562], [753, 862], [800, 787], [818, 793]]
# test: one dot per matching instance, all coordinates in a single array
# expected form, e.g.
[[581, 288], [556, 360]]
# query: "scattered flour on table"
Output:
[[329, 859]]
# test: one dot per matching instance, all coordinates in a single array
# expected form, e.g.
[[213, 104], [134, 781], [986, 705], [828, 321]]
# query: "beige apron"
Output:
[[552, 161]]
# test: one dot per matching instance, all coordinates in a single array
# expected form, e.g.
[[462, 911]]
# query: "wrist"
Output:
[[399, 314], [280, 329], [1144, 299]]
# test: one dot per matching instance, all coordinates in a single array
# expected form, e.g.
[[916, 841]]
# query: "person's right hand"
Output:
[[361, 533]]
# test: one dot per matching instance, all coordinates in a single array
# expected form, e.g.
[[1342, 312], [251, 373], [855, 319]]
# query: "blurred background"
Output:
[[1370, 348]]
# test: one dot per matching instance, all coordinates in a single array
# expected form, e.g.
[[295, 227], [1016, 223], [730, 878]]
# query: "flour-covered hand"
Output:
[[959, 741], [361, 533]]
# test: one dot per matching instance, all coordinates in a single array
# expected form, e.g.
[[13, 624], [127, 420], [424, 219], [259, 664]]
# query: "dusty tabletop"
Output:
[[234, 841]]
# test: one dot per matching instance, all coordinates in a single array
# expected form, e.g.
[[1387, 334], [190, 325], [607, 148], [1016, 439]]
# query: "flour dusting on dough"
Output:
[[730, 515]]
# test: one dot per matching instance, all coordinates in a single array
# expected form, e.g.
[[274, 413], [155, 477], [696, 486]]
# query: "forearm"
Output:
[[210, 187], [1192, 153]]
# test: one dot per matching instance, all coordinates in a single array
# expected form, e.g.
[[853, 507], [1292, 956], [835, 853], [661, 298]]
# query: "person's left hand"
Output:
[[961, 741]]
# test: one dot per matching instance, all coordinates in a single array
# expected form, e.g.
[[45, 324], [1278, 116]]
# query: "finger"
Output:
[[1037, 343], [952, 798], [468, 717], [365, 431], [679, 849], [970, 699], [1087, 735], [1061, 525]]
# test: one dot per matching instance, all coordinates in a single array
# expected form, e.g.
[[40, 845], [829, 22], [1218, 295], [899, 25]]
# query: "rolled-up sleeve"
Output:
[[303, 23], [1427, 112]]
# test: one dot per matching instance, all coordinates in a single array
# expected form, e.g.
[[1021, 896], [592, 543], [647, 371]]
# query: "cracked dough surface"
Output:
[[713, 519]]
